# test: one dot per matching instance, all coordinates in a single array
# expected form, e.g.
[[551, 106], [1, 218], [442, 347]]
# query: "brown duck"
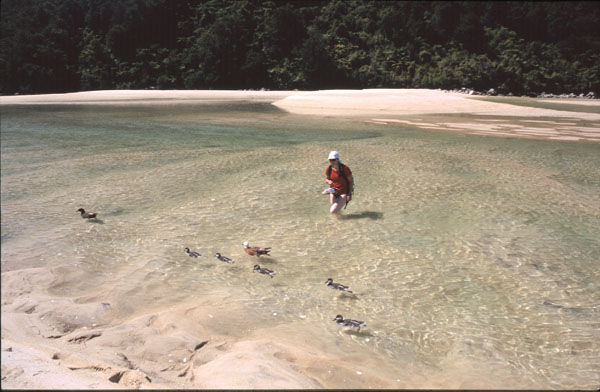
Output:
[[255, 250]]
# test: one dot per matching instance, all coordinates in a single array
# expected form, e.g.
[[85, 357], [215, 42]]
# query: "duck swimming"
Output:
[[337, 286], [191, 253], [265, 271], [86, 215], [223, 258], [255, 250], [340, 320]]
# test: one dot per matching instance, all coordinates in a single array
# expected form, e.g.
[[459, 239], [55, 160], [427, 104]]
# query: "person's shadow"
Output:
[[365, 214]]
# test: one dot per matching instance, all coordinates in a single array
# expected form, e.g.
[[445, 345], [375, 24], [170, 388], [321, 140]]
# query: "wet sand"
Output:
[[415, 108], [58, 351]]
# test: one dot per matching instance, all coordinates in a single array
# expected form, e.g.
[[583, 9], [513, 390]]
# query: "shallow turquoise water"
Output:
[[461, 250]]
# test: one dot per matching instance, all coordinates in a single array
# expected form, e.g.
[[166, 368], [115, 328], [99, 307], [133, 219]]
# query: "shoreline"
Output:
[[143, 97], [400, 108]]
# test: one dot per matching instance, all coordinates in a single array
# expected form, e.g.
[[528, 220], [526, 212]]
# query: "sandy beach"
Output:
[[45, 347], [388, 107]]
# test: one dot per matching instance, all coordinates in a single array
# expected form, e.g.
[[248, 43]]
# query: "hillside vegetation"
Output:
[[52, 46]]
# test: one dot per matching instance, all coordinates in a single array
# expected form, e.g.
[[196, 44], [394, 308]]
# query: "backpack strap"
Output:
[[343, 172]]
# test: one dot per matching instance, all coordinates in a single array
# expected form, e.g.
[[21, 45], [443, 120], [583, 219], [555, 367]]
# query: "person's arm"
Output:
[[327, 179], [350, 178], [350, 184]]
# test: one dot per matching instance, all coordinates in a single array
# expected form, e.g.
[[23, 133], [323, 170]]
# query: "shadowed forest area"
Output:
[[52, 46]]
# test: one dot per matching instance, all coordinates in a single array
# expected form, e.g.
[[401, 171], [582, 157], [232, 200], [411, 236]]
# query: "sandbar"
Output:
[[384, 107]]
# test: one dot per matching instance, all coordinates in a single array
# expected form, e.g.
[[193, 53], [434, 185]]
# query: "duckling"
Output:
[[265, 271], [192, 254], [337, 286], [86, 215], [223, 258], [340, 320], [255, 250]]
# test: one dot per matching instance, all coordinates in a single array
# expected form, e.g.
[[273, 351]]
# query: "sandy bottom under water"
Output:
[[472, 259]]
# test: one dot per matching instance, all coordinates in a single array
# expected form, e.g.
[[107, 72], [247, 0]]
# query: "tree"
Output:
[[69, 45]]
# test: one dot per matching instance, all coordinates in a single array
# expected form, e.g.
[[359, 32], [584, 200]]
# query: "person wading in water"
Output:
[[339, 177]]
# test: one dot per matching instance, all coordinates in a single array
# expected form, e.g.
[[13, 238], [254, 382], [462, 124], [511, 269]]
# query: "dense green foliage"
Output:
[[71, 45]]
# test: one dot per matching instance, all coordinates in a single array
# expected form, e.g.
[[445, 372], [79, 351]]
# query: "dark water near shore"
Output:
[[464, 252]]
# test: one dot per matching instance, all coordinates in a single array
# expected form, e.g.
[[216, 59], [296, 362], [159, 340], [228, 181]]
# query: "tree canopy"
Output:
[[50, 46]]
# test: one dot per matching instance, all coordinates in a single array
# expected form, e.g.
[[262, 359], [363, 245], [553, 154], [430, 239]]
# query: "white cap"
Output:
[[334, 155]]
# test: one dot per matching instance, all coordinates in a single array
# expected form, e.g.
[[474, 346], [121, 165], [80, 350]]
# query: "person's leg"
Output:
[[337, 203]]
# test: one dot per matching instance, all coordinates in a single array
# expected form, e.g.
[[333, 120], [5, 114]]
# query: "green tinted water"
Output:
[[464, 252]]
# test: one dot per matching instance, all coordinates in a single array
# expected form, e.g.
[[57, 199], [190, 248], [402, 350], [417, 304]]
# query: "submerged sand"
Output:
[[58, 352]]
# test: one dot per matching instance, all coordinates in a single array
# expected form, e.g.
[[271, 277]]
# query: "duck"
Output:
[[340, 320], [223, 258], [255, 250], [86, 215], [191, 253], [337, 286], [265, 271]]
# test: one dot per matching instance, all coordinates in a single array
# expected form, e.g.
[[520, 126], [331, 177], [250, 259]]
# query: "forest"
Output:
[[54, 46]]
